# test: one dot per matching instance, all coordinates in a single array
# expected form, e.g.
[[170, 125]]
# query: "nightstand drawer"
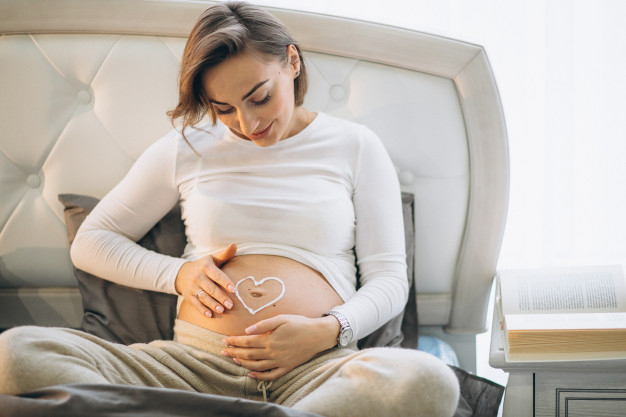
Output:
[[568, 394]]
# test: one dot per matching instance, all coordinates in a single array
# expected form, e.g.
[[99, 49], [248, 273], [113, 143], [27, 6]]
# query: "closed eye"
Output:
[[255, 103], [220, 111], [262, 102]]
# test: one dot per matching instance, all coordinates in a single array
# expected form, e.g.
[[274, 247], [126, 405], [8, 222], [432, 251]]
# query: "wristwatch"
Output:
[[345, 332]]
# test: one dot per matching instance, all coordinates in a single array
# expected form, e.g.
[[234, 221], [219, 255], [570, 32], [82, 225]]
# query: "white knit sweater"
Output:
[[327, 197]]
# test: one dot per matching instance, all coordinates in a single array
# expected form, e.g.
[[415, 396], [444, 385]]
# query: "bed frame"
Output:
[[85, 86]]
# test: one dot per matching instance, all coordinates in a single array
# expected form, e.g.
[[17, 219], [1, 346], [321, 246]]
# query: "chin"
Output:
[[270, 140], [265, 143]]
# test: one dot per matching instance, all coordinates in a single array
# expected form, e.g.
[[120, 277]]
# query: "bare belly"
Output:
[[268, 286]]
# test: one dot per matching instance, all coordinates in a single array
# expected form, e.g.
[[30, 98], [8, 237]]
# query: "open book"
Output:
[[563, 313]]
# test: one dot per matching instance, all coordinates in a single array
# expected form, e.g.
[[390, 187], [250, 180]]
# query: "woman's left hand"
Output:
[[277, 345]]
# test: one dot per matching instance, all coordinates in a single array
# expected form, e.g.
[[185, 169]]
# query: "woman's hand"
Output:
[[205, 285], [277, 345]]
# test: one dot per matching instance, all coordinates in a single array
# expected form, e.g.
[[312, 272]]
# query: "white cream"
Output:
[[257, 284]]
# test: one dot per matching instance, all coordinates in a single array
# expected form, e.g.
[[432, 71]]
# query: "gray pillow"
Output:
[[128, 315], [115, 312]]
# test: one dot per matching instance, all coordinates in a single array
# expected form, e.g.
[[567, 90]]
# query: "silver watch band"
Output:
[[345, 331]]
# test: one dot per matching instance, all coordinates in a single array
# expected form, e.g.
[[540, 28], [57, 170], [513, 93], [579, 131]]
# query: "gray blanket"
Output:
[[479, 398], [96, 400]]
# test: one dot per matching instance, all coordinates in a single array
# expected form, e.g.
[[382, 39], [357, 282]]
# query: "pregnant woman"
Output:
[[282, 208]]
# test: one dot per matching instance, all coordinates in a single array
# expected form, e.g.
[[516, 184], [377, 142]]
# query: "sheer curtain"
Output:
[[560, 69]]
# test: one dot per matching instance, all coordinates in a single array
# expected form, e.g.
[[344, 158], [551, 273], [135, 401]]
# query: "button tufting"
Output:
[[337, 92], [84, 96], [406, 177], [33, 181]]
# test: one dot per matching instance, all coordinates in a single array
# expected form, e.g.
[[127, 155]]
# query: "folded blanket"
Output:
[[100, 400], [479, 398]]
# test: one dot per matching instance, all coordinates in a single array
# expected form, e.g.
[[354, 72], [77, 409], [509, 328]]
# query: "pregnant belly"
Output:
[[267, 286]]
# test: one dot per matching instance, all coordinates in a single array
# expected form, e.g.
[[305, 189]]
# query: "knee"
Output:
[[409, 382], [436, 386], [16, 357], [31, 357], [16, 343]]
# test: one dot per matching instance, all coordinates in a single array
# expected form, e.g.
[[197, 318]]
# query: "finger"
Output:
[[246, 354], [208, 301], [197, 304], [220, 277], [246, 341], [266, 326], [268, 375], [220, 258], [215, 293], [258, 366]]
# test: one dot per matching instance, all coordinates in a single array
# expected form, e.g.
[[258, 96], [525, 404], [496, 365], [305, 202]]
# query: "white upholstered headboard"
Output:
[[84, 86]]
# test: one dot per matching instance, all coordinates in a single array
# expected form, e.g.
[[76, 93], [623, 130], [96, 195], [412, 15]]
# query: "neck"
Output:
[[303, 119]]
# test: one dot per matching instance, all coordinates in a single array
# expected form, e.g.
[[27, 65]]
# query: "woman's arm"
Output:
[[379, 241], [105, 243]]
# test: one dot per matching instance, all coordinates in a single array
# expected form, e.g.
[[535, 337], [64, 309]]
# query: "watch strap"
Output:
[[344, 325]]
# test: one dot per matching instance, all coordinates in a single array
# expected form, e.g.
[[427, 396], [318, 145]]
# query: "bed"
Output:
[[78, 105]]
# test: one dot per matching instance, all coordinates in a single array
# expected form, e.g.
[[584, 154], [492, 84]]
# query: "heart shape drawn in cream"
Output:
[[258, 284]]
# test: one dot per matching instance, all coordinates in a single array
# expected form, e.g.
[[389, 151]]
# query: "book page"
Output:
[[564, 357], [583, 321], [563, 290]]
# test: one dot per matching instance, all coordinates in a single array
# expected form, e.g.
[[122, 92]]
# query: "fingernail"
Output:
[[219, 309], [224, 341], [228, 304], [236, 361], [251, 329], [251, 375], [224, 353], [231, 288], [208, 314]]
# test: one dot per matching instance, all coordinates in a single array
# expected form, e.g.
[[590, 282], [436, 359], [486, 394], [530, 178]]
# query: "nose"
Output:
[[247, 122]]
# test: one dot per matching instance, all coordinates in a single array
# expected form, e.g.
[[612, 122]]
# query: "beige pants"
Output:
[[338, 382]]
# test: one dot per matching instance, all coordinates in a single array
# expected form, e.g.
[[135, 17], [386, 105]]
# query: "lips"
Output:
[[261, 134]]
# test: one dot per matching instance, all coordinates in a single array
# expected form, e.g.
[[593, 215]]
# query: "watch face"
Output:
[[345, 337]]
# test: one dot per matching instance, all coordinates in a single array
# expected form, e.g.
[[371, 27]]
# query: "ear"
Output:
[[293, 59]]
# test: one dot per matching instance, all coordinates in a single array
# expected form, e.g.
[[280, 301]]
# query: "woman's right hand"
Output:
[[204, 285]]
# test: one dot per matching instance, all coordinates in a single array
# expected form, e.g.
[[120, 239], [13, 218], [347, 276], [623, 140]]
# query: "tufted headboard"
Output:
[[84, 87]]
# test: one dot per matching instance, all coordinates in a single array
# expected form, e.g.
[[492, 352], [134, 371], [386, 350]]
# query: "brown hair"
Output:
[[222, 31]]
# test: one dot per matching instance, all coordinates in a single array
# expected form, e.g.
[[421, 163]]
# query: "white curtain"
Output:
[[560, 67]]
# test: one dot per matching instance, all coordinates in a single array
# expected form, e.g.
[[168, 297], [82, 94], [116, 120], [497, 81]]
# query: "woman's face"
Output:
[[253, 95]]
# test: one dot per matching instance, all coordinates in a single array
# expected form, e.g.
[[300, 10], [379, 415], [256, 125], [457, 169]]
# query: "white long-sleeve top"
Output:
[[327, 197]]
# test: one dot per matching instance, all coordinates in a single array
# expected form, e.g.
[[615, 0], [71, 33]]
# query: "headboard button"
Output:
[[337, 92], [406, 177], [33, 181], [84, 96]]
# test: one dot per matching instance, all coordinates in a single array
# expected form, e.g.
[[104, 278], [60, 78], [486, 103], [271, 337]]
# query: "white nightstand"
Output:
[[561, 389]]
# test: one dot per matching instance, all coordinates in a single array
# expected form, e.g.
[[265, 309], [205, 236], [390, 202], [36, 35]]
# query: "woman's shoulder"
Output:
[[195, 140], [346, 130], [199, 136], [337, 122]]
